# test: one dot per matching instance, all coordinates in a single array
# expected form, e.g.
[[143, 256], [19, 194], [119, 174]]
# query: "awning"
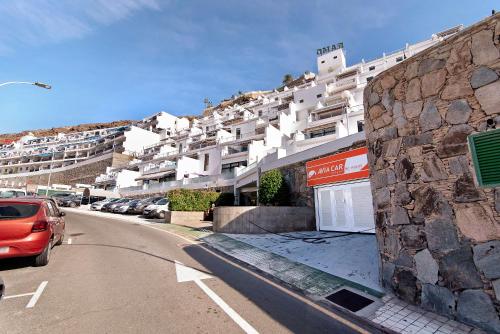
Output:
[[153, 176]]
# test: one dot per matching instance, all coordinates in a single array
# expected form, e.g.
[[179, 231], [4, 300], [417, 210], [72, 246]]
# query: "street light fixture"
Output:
[[38, 84]]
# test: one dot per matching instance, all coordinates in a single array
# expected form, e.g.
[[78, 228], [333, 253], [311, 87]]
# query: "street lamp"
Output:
[[36, 83]]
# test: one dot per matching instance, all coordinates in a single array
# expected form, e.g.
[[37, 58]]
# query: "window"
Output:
[[301, 101], [276, 99], [319, 95], [180, 148], [322, 62], [485, 157], [398, 59], [369, 79], [206, 129], [321, 132], [371, 68], [361, 126], [238, 133], [334, 57], [260, 113], [205, 162], [17, 210]]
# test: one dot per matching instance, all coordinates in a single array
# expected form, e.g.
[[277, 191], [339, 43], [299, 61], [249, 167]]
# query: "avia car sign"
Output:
[[341, 167]]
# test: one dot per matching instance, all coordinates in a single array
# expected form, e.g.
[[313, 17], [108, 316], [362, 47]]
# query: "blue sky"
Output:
[[127, 59]]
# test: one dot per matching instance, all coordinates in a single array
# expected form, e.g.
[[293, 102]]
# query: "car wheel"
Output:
[[72, 205], [43, 258], [161, 215]]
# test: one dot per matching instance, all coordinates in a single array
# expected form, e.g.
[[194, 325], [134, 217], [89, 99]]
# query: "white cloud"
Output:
[[39, 22]]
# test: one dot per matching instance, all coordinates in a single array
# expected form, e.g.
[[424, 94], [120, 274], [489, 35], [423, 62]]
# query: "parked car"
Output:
[[30, 227], [110, 206], [70, 201], [97, 206], [123, 207], [157, 209], [139, 206], [10, 193], [2, 288]]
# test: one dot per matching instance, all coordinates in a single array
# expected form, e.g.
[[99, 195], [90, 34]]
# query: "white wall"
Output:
[[126, 178], [166, 121], [186, 165], [136, 138]]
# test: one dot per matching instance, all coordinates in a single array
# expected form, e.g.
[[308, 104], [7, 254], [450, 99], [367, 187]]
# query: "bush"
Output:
[[273, 189], [191, 200]]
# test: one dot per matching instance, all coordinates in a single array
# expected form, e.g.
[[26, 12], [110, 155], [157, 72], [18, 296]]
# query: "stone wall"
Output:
[[261, 219], [438, 232], [84, 172]]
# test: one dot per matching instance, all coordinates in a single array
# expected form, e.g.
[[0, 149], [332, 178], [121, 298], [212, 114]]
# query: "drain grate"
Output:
[[349, 300]]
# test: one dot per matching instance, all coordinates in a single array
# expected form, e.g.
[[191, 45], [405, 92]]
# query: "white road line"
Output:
[[20, 295], [247, 328], [37, 294], [69, 241]]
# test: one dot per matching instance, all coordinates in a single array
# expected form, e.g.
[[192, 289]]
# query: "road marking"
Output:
[[186, 274], [37, 294], [69, 241], [20, 295]]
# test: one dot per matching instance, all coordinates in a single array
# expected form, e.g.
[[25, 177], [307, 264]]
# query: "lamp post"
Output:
[[36, 83]]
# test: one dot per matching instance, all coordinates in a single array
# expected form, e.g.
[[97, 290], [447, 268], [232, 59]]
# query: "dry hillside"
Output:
[[9, 137]]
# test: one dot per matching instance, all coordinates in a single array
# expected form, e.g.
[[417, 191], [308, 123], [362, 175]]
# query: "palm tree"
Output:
[[287, 78]]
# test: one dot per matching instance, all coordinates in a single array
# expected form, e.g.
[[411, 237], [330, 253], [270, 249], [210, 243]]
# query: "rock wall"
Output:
[[438, 232]]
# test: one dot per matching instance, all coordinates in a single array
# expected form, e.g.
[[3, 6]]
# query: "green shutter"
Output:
[[485, 150]]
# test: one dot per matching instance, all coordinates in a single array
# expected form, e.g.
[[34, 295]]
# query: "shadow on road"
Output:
[[16, 263], [282, 306]]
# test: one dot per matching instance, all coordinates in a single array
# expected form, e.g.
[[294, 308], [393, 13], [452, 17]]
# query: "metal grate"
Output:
[[485, 150], [349, 300]]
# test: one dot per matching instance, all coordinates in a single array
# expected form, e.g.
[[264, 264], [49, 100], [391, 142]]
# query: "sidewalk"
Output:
[[296, 264]]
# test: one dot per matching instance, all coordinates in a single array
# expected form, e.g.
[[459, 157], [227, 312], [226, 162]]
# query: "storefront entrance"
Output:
[[345, 207], [342, 193]]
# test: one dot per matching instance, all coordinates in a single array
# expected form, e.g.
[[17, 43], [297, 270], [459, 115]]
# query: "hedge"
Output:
[[273, 189], [196, 200]]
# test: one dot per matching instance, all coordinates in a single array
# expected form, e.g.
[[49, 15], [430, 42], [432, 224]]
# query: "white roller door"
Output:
[[345, 207]]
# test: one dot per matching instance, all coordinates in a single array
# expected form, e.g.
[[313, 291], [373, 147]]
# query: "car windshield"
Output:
[[18, 210], [162, 201]]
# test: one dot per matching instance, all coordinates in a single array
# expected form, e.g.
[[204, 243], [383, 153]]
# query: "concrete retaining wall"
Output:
[[188, 218], [243, 219]]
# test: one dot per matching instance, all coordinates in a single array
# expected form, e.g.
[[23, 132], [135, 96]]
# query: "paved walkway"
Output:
[[347, 256]]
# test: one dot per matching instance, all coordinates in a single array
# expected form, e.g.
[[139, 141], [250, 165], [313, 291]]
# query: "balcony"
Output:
[[161, 167]]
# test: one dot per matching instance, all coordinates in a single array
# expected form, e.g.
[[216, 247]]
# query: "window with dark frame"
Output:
[[361, 126], [371, 68], [205, 162]]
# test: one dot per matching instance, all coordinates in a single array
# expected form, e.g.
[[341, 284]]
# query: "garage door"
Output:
[[345, 207]]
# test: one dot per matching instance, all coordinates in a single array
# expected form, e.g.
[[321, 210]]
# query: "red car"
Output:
[[30, 227]]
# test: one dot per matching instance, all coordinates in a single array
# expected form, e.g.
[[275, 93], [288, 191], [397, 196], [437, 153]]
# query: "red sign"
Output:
[[346, 166]]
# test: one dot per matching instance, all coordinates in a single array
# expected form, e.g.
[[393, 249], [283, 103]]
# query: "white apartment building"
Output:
[[224, 147]]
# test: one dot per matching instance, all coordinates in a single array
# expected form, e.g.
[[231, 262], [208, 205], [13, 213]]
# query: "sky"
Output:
[[127, 59]]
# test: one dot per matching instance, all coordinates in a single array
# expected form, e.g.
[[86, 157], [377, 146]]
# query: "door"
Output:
[[345, 207]]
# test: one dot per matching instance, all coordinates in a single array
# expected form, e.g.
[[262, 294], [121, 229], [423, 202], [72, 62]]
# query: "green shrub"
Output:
[[191, 200], [273, 189]]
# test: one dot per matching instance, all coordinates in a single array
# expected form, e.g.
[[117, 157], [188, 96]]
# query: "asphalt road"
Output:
[[119, 277]]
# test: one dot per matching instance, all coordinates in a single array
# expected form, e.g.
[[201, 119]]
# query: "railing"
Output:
[[246, 169]]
